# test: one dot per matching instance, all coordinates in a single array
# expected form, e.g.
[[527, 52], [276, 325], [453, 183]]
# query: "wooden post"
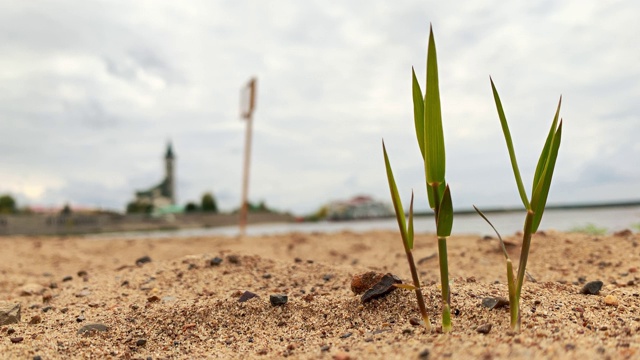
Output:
[[247, 104]]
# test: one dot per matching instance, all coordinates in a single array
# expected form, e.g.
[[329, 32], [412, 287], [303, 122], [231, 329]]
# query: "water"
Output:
[[612, 219]]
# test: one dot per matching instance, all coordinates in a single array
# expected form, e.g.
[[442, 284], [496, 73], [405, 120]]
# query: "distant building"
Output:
[[162, 195], [359, 207]]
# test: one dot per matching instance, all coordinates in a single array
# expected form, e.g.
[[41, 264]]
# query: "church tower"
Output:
[[170, 179]]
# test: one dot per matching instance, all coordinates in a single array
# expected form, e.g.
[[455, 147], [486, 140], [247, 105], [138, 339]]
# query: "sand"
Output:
[[181, 306]]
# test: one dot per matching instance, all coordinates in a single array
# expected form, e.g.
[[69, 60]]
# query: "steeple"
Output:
[[170, 174], [169, 154]]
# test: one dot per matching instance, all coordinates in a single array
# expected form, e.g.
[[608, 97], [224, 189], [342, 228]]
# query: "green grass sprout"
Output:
[[406, 232], [430, 136], [590, 229], [535, 207]]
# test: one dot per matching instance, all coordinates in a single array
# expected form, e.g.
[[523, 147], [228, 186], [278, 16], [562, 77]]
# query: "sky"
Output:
[[92, 91]]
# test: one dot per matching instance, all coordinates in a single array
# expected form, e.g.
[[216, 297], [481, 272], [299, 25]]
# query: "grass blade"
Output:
[[504, 248], [542, 162], [539, 197], [418, 111], [445, 215], [512, 154], [397, 203], [410, 230], [434, 136]]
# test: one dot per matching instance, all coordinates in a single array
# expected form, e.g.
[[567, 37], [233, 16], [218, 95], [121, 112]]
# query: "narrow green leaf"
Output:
[[397, 203], [542, 162], [539, 197], [410, 230], [445, 215], [504, 248], [512, 154], [418, 111], [434, 136]]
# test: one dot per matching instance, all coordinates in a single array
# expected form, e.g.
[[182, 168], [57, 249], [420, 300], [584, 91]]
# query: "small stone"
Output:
[[363, 282], [278, 299], [325, 348], [16, 339], [31, 289], [484, 328], [83, 293], [141, 342], [382, 288], [153, 298], [233, 259], [341, 356], [47, 308], [611, 300], [266, 276], [9, 313], [36, 319], [591, 288], [327, 277], [246, 296], [92, 327], [495, 302], [37, 357], [346, 335], [143, 260], [82, 273], [216, 261], [67, 278], [424, 354], [415, 321], [80, 318]]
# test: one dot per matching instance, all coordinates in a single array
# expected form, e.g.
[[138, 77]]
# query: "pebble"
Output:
[[382, 288], [83, 293], [216, 261], [278, 299], [67, 278], [36, 319], [248, 295], [424, 354], [92, 327], [17, 339], [31, 289], [415, 321], [591, 288], [346, 335], [9, 313], [82, 273], [233, 259], [141, 342], [495, 302], [484, 328], [363, 282], [611, 300], [325, 348], [143, 260], [80, 318]]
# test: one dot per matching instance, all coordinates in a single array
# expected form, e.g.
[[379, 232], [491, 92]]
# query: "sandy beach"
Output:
[[180, 298]]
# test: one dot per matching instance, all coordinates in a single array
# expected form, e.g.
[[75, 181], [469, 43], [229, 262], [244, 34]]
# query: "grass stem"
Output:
[[419, 297], [444, 280]]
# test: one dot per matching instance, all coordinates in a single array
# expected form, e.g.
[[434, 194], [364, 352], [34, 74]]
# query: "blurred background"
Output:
[[93, 92]]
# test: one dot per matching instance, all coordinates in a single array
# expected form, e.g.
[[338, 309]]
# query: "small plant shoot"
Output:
[[535, 206], [430, 136]]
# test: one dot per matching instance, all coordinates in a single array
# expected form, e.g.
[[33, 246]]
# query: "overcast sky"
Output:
[[91, 91]]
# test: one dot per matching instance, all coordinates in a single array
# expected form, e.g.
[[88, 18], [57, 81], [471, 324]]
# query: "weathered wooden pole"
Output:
[[247, 105]]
